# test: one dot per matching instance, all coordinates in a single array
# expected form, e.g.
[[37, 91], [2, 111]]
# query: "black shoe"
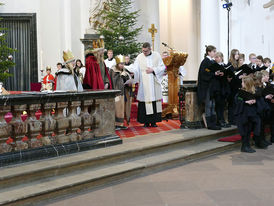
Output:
[[146, 125], [247, 149], [225, 125], [154, 125], [261, 145], [214, 128], [123, 127], [267, 142]]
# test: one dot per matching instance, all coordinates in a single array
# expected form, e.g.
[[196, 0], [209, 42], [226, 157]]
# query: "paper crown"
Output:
[[120, 59], [68, 56], [48, 68], [99, 43]]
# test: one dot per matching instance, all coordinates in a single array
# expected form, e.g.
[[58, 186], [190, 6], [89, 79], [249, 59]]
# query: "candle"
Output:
[[41, 60]]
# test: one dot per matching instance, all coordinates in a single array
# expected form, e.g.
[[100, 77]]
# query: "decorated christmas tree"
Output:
[[115, 20], [5, 55]]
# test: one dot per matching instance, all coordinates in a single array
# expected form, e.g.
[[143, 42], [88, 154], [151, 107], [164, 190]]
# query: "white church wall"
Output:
[[60, 26], [252, 28], [179, 23], [149, 14]]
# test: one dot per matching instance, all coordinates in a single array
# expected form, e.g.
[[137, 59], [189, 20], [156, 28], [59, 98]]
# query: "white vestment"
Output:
[[66, 81], [149, 89], [110, 63]]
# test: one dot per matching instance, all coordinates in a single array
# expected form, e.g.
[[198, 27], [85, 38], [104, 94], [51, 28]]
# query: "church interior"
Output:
[[136, 102]]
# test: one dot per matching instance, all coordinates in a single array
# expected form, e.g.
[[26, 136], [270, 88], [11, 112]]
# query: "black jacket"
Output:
[[205, 77]]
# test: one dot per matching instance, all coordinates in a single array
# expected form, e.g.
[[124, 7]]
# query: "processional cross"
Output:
[[153, 31]]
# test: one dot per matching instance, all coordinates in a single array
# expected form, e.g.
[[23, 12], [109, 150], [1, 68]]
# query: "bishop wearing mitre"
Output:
[[67, 79], [149, 70]]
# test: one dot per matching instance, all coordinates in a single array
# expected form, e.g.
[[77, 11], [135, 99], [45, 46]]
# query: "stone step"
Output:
[[132, 148], [91, 178]]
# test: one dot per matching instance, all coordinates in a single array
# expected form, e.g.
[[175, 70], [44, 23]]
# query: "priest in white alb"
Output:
[[149, 70]]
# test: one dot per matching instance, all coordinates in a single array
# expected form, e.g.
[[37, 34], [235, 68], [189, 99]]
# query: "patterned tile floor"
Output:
[[229, 179]]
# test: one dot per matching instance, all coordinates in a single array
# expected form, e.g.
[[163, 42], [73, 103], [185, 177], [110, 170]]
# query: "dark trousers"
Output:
[[253, 123], [209, 105], [143, 118], [220, 108]]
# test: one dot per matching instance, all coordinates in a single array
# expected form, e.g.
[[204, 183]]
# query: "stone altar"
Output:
[[33, 125]]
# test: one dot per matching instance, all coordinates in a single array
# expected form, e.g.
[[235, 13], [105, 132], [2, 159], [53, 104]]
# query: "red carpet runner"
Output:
[[136, 129]]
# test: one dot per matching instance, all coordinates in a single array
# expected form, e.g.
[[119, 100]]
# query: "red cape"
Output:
[[93, 76]]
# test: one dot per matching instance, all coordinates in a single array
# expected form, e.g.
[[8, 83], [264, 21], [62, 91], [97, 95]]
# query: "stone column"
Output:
[[62, 123], [5, 130], [74, 121], [19, 127], [210, 32], [87, 120], [34, 127], [49, 123]]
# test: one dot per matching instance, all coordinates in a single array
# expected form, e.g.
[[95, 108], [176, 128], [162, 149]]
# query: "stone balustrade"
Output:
[[39, 125]]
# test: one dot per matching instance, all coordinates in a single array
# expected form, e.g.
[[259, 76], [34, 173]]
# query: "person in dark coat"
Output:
[[220, 89], [205, 79], [234, 82], [247, 115], [265, 93]]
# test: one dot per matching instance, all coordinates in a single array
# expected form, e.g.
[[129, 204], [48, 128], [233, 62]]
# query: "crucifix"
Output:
[[153, 31]]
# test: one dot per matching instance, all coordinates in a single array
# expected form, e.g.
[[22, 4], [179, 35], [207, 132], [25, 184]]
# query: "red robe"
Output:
[[51, 78], [93, 76]]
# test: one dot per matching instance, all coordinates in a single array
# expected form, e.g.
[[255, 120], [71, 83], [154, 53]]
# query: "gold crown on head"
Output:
[[99, 43], [68, 56], [120, 59]]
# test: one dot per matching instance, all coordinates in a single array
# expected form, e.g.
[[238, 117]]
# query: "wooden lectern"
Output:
[[173, 62]]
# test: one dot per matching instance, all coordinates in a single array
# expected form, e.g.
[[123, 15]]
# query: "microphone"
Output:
[[166, 45]]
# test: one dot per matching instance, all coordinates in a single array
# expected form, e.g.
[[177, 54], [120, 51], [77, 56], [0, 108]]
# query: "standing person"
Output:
[[261, 79], [246, 114], [149, 69], [260, 63], [48, 81], [205, 78], [220, 89], [58, 66], [119, 76], [80, 70], [110, 61], [128, 64], [234, 83], [67, 80], [252, 59], [267, 64], [241, 59], [97, 75]]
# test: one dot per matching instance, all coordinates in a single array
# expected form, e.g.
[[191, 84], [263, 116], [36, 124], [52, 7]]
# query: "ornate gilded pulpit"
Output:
[[173, 62]]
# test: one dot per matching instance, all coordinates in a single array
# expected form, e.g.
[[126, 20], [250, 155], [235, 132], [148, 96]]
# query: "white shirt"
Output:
[[110, 63], [83, 71], [211, 59]]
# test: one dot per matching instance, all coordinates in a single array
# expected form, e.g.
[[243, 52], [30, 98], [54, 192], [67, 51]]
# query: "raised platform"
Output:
[[56, 177]]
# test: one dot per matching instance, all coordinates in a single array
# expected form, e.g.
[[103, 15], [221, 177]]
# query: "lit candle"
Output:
[[41, 60]]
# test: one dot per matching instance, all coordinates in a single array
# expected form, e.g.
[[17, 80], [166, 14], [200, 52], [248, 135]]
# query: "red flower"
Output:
[[39, 136], [9, 140], [25, 138]]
